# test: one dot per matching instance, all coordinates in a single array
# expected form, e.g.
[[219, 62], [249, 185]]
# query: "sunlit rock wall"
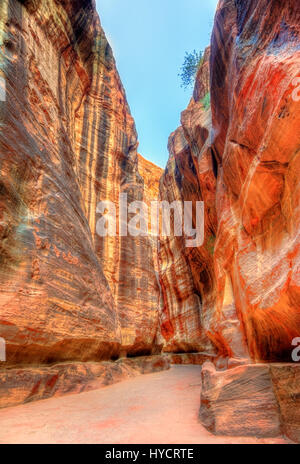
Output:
[[241, 288], [255, 59], [67, 141]]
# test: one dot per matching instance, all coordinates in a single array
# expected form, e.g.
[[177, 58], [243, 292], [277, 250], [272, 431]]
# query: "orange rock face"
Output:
[[23, 385], [237, 295], [186, 274], [151, 175], [251, 400], [241, 288], [67, 142], [256, 120]]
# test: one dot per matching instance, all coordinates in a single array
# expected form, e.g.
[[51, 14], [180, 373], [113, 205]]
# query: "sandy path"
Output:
[[154, 408]]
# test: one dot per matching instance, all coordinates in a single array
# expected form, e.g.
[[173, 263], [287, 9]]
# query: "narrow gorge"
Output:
[[79, 311]]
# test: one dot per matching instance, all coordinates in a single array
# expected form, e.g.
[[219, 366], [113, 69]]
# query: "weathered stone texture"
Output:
[[241, 288], [26, 384], [259, 400], [186, 274], [254, 60], [67, 141], [241, 157]]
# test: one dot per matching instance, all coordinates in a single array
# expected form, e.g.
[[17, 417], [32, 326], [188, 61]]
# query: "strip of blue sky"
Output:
[[149, 39]]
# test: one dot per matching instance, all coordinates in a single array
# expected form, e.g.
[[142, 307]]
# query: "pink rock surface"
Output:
[[23, 385], [259, 400], [157, 408], [189, 358]]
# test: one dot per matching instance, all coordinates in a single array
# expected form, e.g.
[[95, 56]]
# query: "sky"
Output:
[[149, 39]]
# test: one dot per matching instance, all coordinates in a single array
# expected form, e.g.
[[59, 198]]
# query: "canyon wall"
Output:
[[241, 157], [186, 274], [256, 119], [67, 142], [70, 298], [236, 297]]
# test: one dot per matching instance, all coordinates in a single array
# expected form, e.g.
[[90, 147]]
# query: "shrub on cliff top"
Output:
[[188, 71]]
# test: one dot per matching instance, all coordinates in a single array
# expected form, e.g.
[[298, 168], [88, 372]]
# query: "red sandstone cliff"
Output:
[[256, 130], [242, 161], [240, 290], [186, 274], [67, 141]]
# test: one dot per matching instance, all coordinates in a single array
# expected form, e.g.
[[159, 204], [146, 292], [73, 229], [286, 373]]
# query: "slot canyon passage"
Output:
[[212, 326]]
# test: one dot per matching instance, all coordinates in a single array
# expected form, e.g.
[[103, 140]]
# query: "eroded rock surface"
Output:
[[239, 401], [237, 295], [26, 384], [186, 274], [67, 141], [256, 121], [241, 288], [259, 400]]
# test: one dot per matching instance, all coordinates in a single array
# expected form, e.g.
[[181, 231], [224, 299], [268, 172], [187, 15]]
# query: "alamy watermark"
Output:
[[2, 89], [160, 219], [2, 350], [296, 351]]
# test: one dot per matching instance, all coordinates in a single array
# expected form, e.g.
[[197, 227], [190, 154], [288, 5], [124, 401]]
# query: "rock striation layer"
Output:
[[237, 295], [255, 59], [67, 142], [240, 155], [186, 274], [259, 400], [23, 384]]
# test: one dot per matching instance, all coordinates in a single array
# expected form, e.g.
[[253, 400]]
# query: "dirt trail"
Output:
[[154, 408]]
